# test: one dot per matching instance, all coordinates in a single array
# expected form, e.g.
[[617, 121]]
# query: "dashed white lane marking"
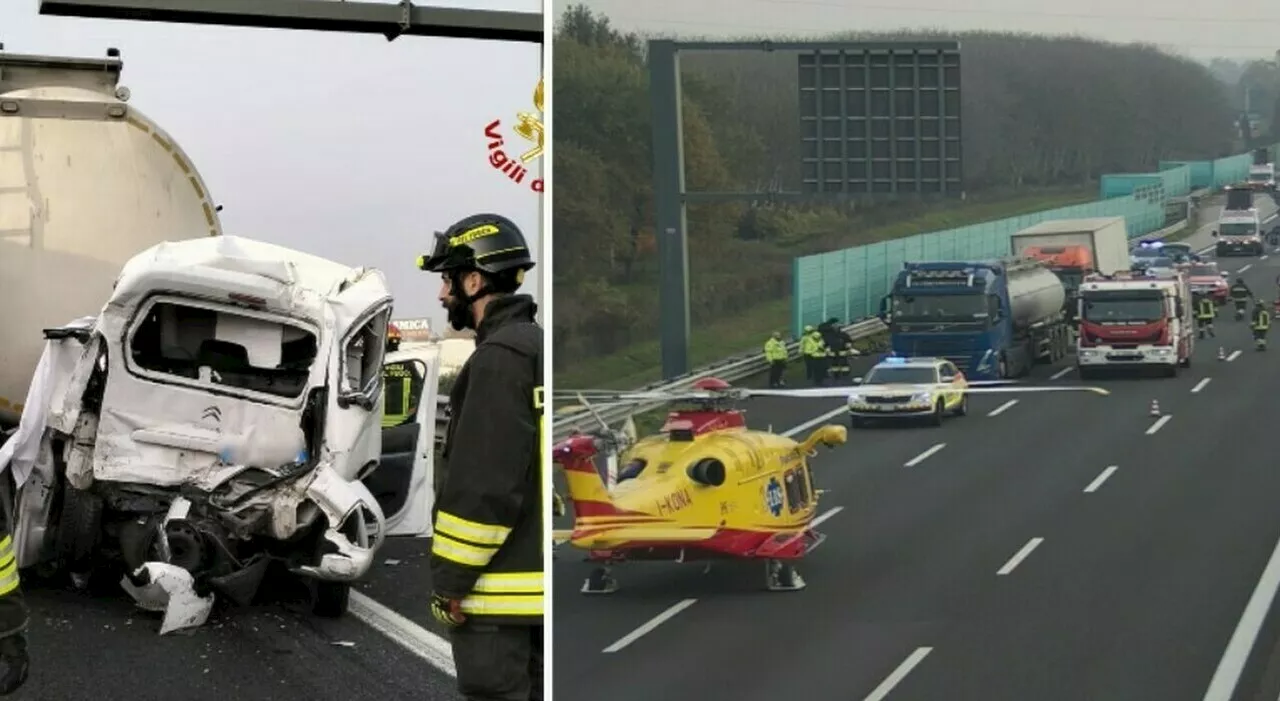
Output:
[[649, 625], [814, 422], [432, 648], [1019, 556], [1246, 267], [1002, 408], [1264, 257], [1225, 678], [1200, 385], [1159, 424], [1097, 482], [897, 675], [1060, 373], [1234, 354], [924, 456]]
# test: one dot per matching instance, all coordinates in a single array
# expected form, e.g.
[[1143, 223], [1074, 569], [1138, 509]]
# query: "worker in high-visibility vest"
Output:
[[775, 351], [1206, 311], [815, 355], [1261, 324], [398, 384]]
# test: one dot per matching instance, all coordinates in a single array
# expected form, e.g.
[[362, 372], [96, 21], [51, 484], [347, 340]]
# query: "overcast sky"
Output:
[[1241, 28], [345, 146]]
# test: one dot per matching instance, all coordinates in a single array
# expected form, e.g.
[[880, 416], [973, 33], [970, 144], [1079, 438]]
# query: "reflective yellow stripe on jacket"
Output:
[[506, 594], [467, 543], [8, 567]]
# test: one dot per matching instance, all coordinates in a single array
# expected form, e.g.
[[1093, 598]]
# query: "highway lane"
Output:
[[103, 646], [913, 556]]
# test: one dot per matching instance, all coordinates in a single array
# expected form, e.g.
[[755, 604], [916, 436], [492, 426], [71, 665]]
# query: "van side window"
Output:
[[362, 353]]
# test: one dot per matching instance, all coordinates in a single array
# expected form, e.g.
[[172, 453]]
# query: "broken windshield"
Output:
[[224, 348]]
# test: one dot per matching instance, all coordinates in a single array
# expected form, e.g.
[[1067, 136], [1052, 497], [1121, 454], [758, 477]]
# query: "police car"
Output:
[[899, 388]]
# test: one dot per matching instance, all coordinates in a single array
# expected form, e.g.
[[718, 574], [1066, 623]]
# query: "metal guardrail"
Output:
[[730, 370], [747, 364]]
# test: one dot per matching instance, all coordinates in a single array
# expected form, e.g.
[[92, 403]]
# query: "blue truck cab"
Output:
[[993, 319]]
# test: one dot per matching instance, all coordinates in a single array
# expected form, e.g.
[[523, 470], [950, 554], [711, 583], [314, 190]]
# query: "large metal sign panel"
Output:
[[881, 118]]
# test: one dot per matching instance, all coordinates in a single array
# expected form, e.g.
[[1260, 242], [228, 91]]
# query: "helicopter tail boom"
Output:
[[586, 488]]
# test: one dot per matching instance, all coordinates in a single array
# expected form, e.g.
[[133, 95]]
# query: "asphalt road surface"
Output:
[[386, 649], [1052, 546]]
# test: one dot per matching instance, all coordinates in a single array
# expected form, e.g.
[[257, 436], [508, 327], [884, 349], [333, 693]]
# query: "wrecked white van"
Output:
[[217, 417]]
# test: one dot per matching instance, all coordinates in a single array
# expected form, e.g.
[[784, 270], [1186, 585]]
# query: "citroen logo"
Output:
[[212, 412]]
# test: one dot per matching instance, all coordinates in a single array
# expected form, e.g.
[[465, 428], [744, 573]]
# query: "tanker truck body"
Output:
[[993, 319], [1074, 248], [86, 183]]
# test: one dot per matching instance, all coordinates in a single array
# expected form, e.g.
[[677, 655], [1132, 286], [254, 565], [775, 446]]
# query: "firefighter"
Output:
[[486, 555], [1240, 294], [815, 353], [775, 351], [1206, 311], [14, 662], [1261, 324]]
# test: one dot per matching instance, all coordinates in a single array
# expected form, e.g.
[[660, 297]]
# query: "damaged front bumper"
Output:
[[356, 528]]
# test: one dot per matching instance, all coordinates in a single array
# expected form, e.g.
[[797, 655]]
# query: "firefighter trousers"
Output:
[[498, 663]]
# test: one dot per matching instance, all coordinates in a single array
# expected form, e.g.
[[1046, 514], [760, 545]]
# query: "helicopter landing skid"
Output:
[[600, 581], [780, 576]]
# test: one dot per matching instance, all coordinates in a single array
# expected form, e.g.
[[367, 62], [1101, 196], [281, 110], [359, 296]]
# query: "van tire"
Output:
[[331, 599]]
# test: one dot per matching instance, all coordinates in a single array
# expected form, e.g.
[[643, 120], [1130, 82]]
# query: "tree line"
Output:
[[1037, 112]]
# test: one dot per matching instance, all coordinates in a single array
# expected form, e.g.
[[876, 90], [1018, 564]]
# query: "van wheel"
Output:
[[331, 599], [939, 410], [79, 526]]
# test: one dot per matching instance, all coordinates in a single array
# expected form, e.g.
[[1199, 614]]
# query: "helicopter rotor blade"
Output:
[[842, 392], [594, 414], [629, 429]]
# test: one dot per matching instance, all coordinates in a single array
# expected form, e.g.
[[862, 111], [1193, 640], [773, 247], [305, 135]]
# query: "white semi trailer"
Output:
[[86, 183]]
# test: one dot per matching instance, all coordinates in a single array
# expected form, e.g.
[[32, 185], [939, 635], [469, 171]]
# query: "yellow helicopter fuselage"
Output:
[[729, 492]]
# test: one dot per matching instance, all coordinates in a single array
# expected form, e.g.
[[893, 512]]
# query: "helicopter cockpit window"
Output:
[[632, 469], [797, 488]]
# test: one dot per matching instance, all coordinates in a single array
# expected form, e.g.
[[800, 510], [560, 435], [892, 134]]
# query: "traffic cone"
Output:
[[1222, 353], [1155, 408]]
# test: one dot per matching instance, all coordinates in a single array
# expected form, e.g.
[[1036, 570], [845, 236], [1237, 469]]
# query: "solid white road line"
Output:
[[1223, 685], [1002, 408], [814, 422], [896, 676], [1060, 373], [432, 648], [1200, 385], [1234, 354], [1097, 482], [1246, 267], [924, 456], [1019, 556], [650, 625], [1159, 424]]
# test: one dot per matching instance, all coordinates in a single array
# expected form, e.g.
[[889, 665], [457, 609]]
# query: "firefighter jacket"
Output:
[[1261, 320], [1206, 309], [487, 545], [1240, 291], [775, 350]]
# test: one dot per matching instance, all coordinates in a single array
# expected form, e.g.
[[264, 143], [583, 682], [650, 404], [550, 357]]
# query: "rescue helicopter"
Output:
[[705, 487]]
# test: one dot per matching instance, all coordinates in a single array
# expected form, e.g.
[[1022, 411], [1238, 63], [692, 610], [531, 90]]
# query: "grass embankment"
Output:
[[641, 363]]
